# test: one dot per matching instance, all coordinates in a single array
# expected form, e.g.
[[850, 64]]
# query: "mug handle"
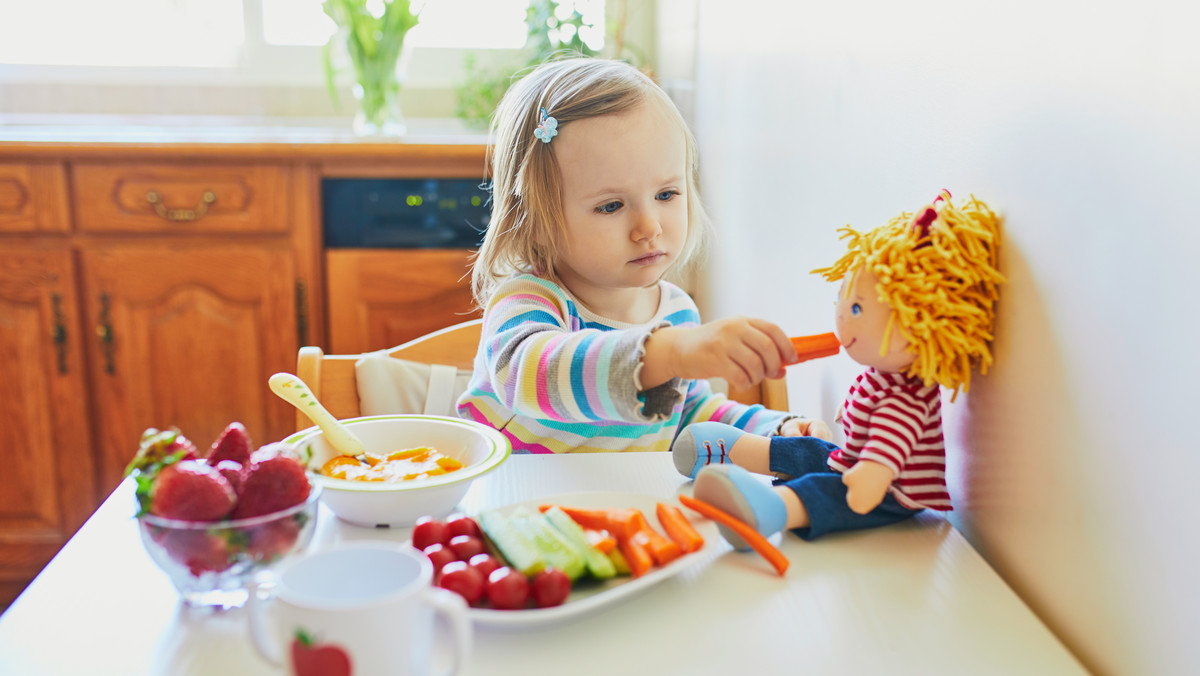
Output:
[[260, 635], [453, 608]]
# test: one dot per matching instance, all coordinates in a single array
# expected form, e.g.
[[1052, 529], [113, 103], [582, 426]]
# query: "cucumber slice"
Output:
[[518, 548], [598, 564], [554, 549]]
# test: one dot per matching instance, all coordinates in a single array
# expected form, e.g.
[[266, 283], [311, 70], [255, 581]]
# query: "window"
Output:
[[251, 35]]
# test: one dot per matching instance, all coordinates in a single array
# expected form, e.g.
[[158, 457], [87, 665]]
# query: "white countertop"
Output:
[[910, 598]]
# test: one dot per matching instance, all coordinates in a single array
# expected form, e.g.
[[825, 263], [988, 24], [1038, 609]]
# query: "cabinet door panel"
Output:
[[47, 485], [188, 338], [381, 298], [32, 198]]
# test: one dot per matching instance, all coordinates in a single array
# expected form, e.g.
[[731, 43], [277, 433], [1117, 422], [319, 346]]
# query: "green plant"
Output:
[[373, 43], [480, 92]]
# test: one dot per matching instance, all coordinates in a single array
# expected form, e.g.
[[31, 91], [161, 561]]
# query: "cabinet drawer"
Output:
[[176, 198], [33, 198]]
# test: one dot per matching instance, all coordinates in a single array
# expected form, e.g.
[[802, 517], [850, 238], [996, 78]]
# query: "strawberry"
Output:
[[232, 470], [274, 480], [233, 444], [192, 491], [161, 448], [274, 539], [200, 551]]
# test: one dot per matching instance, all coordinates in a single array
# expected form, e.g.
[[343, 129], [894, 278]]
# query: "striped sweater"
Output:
[[896, 421], [556, 378]]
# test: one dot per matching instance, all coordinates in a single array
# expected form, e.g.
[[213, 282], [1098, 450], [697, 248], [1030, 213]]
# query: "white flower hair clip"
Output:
[[547, 127]]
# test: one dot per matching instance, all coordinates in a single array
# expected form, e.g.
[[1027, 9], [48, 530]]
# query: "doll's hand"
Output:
[[867, 482], [741, 350], [805, 427]]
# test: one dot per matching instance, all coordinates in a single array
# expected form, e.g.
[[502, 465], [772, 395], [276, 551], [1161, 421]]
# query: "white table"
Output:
[[910, 598]]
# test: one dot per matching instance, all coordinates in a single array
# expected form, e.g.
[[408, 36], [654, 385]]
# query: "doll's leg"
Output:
[[713, 443], [823, 497], [746, 497], [791, 457]]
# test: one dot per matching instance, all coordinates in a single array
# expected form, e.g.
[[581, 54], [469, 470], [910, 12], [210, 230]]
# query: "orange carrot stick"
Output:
[[619, 522], [639, 559], [815, 347], [751, 536], [678, 527], [662, 549], [600, 539]]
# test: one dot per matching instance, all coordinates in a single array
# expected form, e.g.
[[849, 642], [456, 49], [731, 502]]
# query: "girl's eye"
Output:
[[856, 309], [666, 195], [609, 208]]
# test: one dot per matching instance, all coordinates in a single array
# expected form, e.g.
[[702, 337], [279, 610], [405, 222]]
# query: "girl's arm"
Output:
[[742, 350], [702, 404], [543, 363]]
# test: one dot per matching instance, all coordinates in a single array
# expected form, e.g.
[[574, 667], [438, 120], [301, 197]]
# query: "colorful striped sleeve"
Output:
[[542, 363], [703, 404]]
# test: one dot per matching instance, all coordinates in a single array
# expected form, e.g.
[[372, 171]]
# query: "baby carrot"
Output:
[[662, 549], [639, 559], [815, 347], [600, 539], [678, 527], [751, 536], [619, 522]]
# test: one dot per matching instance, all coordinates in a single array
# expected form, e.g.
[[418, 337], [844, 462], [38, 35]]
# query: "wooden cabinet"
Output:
[[47, 486], [187, 336], [150, 284], [381, 298], [149, 294]]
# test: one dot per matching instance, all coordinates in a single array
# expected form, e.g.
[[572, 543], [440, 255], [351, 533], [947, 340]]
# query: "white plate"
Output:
[[590, 595]]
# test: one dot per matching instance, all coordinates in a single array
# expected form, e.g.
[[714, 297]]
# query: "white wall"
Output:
[[1074, 462]]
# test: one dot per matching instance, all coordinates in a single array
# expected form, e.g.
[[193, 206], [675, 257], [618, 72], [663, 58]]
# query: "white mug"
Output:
[[363, 608]]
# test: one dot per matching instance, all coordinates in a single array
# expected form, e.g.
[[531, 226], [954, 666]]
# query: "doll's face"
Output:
[[861, 321]]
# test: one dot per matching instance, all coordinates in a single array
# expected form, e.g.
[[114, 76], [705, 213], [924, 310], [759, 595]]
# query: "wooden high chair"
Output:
[[332, 378]]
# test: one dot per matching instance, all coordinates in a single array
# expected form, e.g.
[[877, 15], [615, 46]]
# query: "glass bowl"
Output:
[[212, 563]]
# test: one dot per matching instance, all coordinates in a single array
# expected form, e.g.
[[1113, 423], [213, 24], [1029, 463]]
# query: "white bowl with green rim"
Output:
[[373, 503]]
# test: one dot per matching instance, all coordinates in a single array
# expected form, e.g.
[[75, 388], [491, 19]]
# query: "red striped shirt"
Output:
[[896, 421]]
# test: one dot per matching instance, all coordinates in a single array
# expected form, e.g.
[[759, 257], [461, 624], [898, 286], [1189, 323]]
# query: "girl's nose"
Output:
[[646, 227]]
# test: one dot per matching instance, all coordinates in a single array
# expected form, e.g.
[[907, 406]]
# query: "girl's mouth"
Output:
[[650, 258], [852, 341]]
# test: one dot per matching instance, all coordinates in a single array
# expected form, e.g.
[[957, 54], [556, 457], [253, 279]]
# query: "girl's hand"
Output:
[[806, 427], [741, 350]]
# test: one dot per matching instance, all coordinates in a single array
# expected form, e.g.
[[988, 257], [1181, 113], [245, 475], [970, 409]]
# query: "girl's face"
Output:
[[861, 321], [624, 179]]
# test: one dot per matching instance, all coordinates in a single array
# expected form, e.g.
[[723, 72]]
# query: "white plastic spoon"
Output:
[[293, 390]]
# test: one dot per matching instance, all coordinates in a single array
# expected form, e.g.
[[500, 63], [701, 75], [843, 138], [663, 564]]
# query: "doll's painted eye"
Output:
[[856, 309]]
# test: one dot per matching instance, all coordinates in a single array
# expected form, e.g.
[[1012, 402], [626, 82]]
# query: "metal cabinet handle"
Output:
[[105, 333], [59, 333], [181, 215]]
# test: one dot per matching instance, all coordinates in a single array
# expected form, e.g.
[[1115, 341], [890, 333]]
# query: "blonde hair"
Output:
[[525, 232], [940, 280]]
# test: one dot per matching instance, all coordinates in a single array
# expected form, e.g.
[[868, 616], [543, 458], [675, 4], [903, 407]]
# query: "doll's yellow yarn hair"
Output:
[[939, 280]]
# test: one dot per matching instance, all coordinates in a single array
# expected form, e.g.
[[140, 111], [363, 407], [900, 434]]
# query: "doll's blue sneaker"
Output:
[[738, 493], [701, 444]]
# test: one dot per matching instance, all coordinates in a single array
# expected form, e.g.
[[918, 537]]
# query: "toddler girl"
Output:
[[585, 347]]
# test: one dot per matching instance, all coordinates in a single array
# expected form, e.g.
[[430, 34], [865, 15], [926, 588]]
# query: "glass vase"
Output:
[[377, 93], [378, 109]]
